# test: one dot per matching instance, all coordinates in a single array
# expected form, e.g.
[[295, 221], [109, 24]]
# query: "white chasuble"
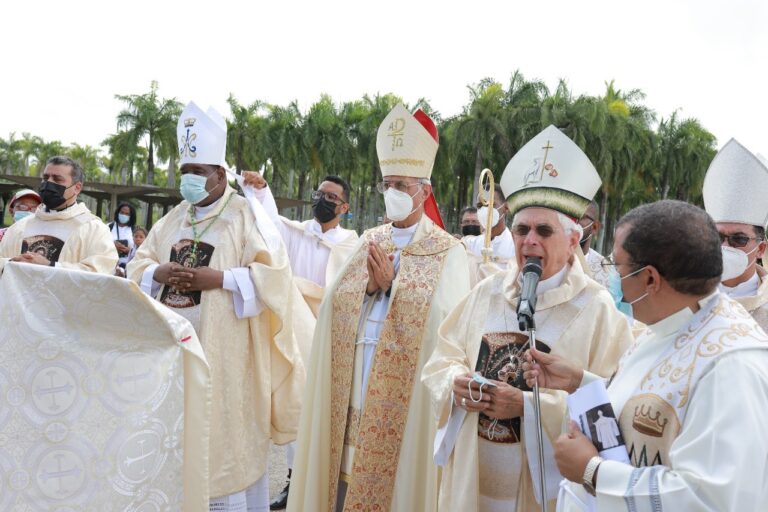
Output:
[[488, 465], [105, 396], [391, 465], [73, 238], [692, 400], [256, 365]]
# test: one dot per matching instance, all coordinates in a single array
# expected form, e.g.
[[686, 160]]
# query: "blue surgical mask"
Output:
[[614, 287], [123, 218], [17, 216], [192, 188]]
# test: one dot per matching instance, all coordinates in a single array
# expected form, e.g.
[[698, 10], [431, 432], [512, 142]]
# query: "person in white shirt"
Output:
[[591, 259], [502, 250], [691, 394], [121, 229]]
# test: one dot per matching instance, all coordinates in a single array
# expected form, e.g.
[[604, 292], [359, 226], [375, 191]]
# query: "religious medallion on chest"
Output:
[[189, 255], [501, 358], [46, 246]]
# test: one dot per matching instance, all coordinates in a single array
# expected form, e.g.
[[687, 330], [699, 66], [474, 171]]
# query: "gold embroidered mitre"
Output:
[[407, 144]]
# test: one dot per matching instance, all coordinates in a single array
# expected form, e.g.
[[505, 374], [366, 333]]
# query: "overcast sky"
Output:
[[63, 62]]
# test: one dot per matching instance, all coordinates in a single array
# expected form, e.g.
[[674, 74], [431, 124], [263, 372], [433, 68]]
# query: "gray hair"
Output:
[[78, 175]]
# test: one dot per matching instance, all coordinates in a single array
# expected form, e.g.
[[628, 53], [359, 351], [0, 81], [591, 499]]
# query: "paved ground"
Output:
[[278, 471]]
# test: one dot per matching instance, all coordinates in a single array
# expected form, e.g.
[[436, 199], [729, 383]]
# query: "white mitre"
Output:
[[736, 187], [407, 143], [550, 171], [202, 136]]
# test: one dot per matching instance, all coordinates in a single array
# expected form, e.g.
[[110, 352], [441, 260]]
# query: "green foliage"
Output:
[[639, 160]]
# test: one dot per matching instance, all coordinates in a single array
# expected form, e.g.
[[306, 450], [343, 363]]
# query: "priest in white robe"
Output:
[[365, 432], [591, 260], [487, 438], [62, 232], [735, 189], [691, 394], [318, 247], [501, 253], [210, 261]]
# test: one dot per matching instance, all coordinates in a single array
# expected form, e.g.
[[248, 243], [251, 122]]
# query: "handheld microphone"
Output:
[[526, 306]]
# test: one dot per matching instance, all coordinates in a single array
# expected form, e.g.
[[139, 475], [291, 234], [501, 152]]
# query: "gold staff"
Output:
[[486, 198]]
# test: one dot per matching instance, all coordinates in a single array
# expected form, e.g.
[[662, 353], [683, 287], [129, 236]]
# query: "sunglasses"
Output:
[[543, 230], [737, 240]]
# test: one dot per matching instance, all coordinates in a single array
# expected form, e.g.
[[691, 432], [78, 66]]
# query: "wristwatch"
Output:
[[589, 474]]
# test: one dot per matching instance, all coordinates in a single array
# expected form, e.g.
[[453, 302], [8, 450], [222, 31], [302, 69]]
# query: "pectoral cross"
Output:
[[546, 149]]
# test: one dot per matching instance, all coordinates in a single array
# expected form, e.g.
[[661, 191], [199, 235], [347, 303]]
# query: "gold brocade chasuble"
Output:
[[653, 417], [382, 421]]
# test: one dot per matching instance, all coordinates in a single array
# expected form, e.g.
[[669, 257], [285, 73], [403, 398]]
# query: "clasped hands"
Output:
[[189, 279], [32, 257], [381, 270]]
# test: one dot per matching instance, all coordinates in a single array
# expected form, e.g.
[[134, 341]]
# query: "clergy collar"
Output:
[[403, 236], [550, 283], [676, 321], [48, 210], [746, 289]]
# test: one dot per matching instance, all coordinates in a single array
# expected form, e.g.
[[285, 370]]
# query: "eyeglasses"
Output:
[[329, 196], [543, 230], [610, 262], [23, 208], [737, 240], [400, 186]]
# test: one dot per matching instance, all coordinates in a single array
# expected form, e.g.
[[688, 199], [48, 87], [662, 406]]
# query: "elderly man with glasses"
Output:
[[547, 185], [317, 249], [734, 196], [365, 431]]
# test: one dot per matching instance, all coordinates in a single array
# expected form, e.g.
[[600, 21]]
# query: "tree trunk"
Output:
[[151, 162], [478, 169], [360, 211], [603, 222], [172, 170], [374, 206], [302, 185]]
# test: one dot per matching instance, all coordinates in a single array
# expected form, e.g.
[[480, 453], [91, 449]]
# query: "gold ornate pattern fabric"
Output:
[[651, 420], [385, 412]]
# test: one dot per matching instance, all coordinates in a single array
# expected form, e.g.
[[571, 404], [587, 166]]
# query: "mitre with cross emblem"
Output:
[[201, 136], [550, 171], [407, 143], [735, 187]]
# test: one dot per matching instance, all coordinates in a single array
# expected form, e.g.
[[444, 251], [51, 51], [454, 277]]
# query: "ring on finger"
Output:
[[464, 402]]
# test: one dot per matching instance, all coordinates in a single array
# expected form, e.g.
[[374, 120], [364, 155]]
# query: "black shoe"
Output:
[[281, 501]]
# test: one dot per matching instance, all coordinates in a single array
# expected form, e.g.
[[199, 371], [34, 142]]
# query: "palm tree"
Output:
[[482, 126], [148, 116]]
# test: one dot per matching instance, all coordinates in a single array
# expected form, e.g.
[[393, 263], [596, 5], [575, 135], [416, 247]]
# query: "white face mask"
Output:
[[399, 205], [735, 262], [482, 216]]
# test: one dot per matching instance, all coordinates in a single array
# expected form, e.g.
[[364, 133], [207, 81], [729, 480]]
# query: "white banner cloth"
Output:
[[94, 381]]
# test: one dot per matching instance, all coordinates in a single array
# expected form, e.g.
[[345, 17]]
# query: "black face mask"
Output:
[[470, 229], [52, 194], [324, 211]]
